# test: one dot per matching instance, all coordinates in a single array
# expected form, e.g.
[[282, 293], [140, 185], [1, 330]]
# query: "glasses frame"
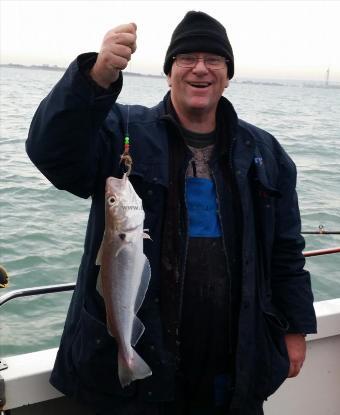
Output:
[[224, 60]]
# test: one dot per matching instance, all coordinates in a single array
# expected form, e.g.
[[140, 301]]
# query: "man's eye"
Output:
[[188, 59], [212, 61]]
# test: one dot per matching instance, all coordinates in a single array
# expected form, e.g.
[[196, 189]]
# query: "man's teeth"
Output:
[[200, 84]]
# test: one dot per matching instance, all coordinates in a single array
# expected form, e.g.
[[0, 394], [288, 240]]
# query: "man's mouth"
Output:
[[200, 84]]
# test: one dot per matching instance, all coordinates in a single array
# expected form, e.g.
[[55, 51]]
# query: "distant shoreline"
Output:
[[46, 67], [299, 83]]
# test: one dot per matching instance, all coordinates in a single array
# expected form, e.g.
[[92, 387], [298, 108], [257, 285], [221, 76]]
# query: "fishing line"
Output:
[[126, 157], [127, 122]]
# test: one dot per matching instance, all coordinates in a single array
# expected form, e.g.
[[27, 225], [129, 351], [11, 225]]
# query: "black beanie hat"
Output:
[[199, 32]]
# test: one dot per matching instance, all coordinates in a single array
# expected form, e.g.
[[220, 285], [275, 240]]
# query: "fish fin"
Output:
[[137, 331], [99, 255], [146, 235], [99, 285], [123, 243], [144, 283], [109, 331], [130, 371]]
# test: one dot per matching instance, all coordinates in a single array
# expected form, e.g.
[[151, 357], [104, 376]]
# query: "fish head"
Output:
[[124, 209]]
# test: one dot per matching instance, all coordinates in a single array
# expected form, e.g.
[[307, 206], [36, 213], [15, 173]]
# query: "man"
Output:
[[229, 303]]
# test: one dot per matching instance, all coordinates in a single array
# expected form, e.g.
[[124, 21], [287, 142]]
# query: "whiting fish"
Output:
[[124, 274]]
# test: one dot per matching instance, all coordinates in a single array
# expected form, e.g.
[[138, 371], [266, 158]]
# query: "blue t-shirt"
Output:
[[202, 208]]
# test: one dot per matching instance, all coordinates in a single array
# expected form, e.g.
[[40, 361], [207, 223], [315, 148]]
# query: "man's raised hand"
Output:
[[115, 53]]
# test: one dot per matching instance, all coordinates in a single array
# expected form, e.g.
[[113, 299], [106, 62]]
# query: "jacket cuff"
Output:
[[85, 62]]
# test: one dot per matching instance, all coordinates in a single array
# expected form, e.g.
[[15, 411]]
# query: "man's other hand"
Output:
[[296, 347]]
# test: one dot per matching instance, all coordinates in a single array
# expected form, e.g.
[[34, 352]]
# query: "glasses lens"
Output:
[[190, 61], [186, 61], [214, 62]]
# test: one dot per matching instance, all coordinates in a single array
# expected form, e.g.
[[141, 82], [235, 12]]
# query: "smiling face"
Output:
[[195, 92]]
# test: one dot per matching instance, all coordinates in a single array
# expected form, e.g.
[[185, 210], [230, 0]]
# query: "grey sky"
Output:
[[271, 39]]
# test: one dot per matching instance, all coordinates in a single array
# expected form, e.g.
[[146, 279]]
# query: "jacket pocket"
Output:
[[95, 357], [272, 361], [153, 172]]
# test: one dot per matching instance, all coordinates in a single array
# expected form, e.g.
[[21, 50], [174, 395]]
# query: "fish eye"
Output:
[[111, 200], [122, 236]]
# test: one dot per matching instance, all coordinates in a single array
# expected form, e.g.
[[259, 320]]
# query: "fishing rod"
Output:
[[321, 231]]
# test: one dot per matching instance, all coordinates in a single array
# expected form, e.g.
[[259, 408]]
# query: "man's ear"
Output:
[[168, 78]]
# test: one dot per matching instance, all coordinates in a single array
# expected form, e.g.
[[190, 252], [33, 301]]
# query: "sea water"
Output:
[[42, 229]]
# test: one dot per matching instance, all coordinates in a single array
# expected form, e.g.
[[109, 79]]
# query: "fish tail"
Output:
[[136, 368]]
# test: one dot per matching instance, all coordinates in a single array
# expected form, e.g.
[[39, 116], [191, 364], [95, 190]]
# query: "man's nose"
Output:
[[200, 66]]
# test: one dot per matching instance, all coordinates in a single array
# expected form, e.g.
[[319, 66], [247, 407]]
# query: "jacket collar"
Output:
[[246, 155], [227, 122]]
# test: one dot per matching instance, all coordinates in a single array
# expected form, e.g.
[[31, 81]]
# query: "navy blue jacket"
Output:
[[75, 140]]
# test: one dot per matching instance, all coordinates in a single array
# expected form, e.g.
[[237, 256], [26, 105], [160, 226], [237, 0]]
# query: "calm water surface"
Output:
[[42, 229]]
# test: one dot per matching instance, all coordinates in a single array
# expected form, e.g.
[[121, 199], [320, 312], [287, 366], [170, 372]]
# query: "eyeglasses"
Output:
[[184, 60]]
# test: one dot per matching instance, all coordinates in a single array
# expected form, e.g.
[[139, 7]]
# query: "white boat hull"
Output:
[[316, 391]]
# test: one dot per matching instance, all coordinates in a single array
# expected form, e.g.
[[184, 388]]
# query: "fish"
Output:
[[124, 274]]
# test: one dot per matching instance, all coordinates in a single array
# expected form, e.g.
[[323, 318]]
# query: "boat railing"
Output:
[[27, 292], [318, 252], [48, 289]]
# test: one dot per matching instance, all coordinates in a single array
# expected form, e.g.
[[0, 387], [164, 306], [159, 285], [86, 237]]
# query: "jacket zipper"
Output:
[[230, 161], [227, 265], [183, 270]]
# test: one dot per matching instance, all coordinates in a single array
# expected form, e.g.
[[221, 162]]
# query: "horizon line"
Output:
[[54, 67]]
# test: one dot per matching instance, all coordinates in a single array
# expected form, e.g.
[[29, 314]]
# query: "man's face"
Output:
[[197, 89]]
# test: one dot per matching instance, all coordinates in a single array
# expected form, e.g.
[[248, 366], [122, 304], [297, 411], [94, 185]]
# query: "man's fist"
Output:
[[116, 50]]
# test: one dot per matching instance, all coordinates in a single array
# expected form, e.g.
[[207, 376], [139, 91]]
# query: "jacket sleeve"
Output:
[[65, 139], [291, 283]]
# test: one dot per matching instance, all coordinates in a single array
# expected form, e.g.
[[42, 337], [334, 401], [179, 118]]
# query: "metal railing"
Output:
[[26, 292], [48, 289], [322, 252]]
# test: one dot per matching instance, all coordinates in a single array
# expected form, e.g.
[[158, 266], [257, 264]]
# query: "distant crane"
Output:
[[327, 77]]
